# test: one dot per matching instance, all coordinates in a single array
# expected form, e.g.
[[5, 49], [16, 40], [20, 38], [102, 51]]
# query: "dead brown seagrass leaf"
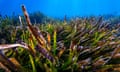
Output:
[[61, 52], [36, 32], [116, 50], [7, 62], [116, 56], [99, 62], [2, 66], [45, 53], [17, 64], [41, 47]]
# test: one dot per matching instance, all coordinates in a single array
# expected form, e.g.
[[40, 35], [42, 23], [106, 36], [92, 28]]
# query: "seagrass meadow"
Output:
[[79, 45]]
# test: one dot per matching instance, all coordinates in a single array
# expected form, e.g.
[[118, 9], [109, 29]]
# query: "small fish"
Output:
[[7, 46]]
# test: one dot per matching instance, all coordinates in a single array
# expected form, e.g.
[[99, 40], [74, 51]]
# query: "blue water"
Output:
[[59, 8]]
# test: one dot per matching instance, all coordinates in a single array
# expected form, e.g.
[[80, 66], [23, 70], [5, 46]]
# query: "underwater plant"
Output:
[[81, 45]]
